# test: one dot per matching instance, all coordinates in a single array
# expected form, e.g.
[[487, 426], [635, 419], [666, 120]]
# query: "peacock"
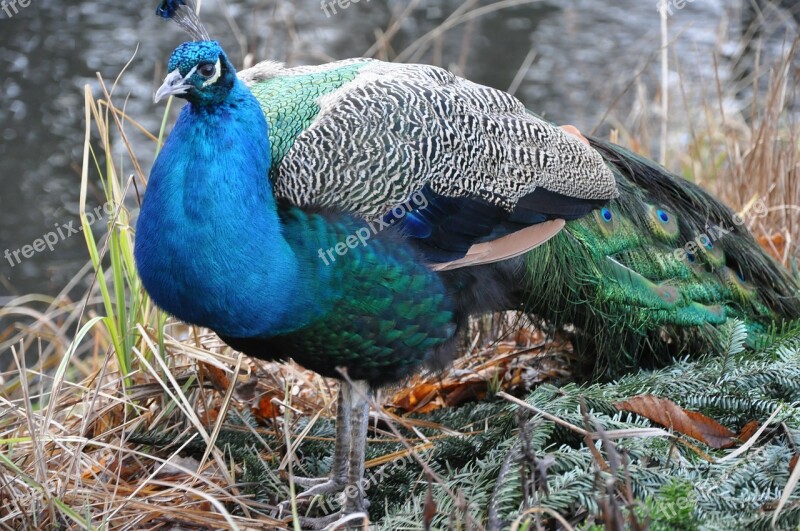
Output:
[[353, 216]]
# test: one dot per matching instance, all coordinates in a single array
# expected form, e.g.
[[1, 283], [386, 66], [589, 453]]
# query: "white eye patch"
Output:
[[217, 72]]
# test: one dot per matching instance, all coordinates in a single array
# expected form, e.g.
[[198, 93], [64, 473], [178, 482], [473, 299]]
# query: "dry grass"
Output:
[[763, 161]]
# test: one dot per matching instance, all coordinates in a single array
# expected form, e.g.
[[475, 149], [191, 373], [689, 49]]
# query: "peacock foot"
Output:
[[352, 514], [337, 484], [347, 470], [316, 487], [319, 486], [337, 520]]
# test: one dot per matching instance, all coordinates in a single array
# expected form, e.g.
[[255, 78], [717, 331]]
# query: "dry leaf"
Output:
[[512, 365], [748, 430], [527, 336], [215, 375], [110, 466], [689, 423], [265, 408], [414, 398]]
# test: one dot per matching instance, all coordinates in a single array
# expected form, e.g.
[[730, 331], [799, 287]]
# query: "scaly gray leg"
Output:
[[352, 415], [338, 477], [356, 500]]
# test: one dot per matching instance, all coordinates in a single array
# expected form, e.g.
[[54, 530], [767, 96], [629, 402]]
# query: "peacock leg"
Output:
[[338, 476], [355, 497], [352, 415]]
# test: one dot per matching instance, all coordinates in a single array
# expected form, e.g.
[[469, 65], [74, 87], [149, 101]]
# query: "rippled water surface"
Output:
[[587, 52]]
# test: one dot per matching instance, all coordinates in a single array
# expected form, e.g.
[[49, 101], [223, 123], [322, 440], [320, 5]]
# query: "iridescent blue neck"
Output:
[[209, 240]]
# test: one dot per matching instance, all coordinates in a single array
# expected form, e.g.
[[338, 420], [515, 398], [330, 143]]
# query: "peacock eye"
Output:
[[607, 216], [663, 216], [207, 70]]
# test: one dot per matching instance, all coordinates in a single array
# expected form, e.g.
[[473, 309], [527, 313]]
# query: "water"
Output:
[[586, 54]]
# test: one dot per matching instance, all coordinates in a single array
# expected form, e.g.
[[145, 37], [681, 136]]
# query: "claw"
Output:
[[337, 520], [317, 487], [309, 482], [326, 487], [351, 515]]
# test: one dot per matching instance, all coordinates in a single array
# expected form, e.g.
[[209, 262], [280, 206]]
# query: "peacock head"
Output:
[[199, 72]]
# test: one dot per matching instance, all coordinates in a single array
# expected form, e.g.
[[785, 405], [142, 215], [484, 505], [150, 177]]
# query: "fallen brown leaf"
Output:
[[689, 423], [215, 375], [748, 430]]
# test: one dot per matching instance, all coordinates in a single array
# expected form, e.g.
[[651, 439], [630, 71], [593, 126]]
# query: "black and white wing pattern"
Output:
[[369, 136]]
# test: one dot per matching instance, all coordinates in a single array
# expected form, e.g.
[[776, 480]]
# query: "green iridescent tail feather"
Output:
[[653, 275]]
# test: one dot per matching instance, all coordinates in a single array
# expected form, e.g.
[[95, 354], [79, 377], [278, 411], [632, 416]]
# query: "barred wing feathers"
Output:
[[382, 132]]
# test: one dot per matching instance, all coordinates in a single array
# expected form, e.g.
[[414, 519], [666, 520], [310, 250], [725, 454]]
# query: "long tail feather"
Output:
[[653, 274]]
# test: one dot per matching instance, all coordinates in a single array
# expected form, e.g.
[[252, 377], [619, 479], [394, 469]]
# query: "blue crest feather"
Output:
[[184, 14]]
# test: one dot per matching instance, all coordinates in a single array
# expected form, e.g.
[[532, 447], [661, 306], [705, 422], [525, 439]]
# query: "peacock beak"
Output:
[[173, 86]]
